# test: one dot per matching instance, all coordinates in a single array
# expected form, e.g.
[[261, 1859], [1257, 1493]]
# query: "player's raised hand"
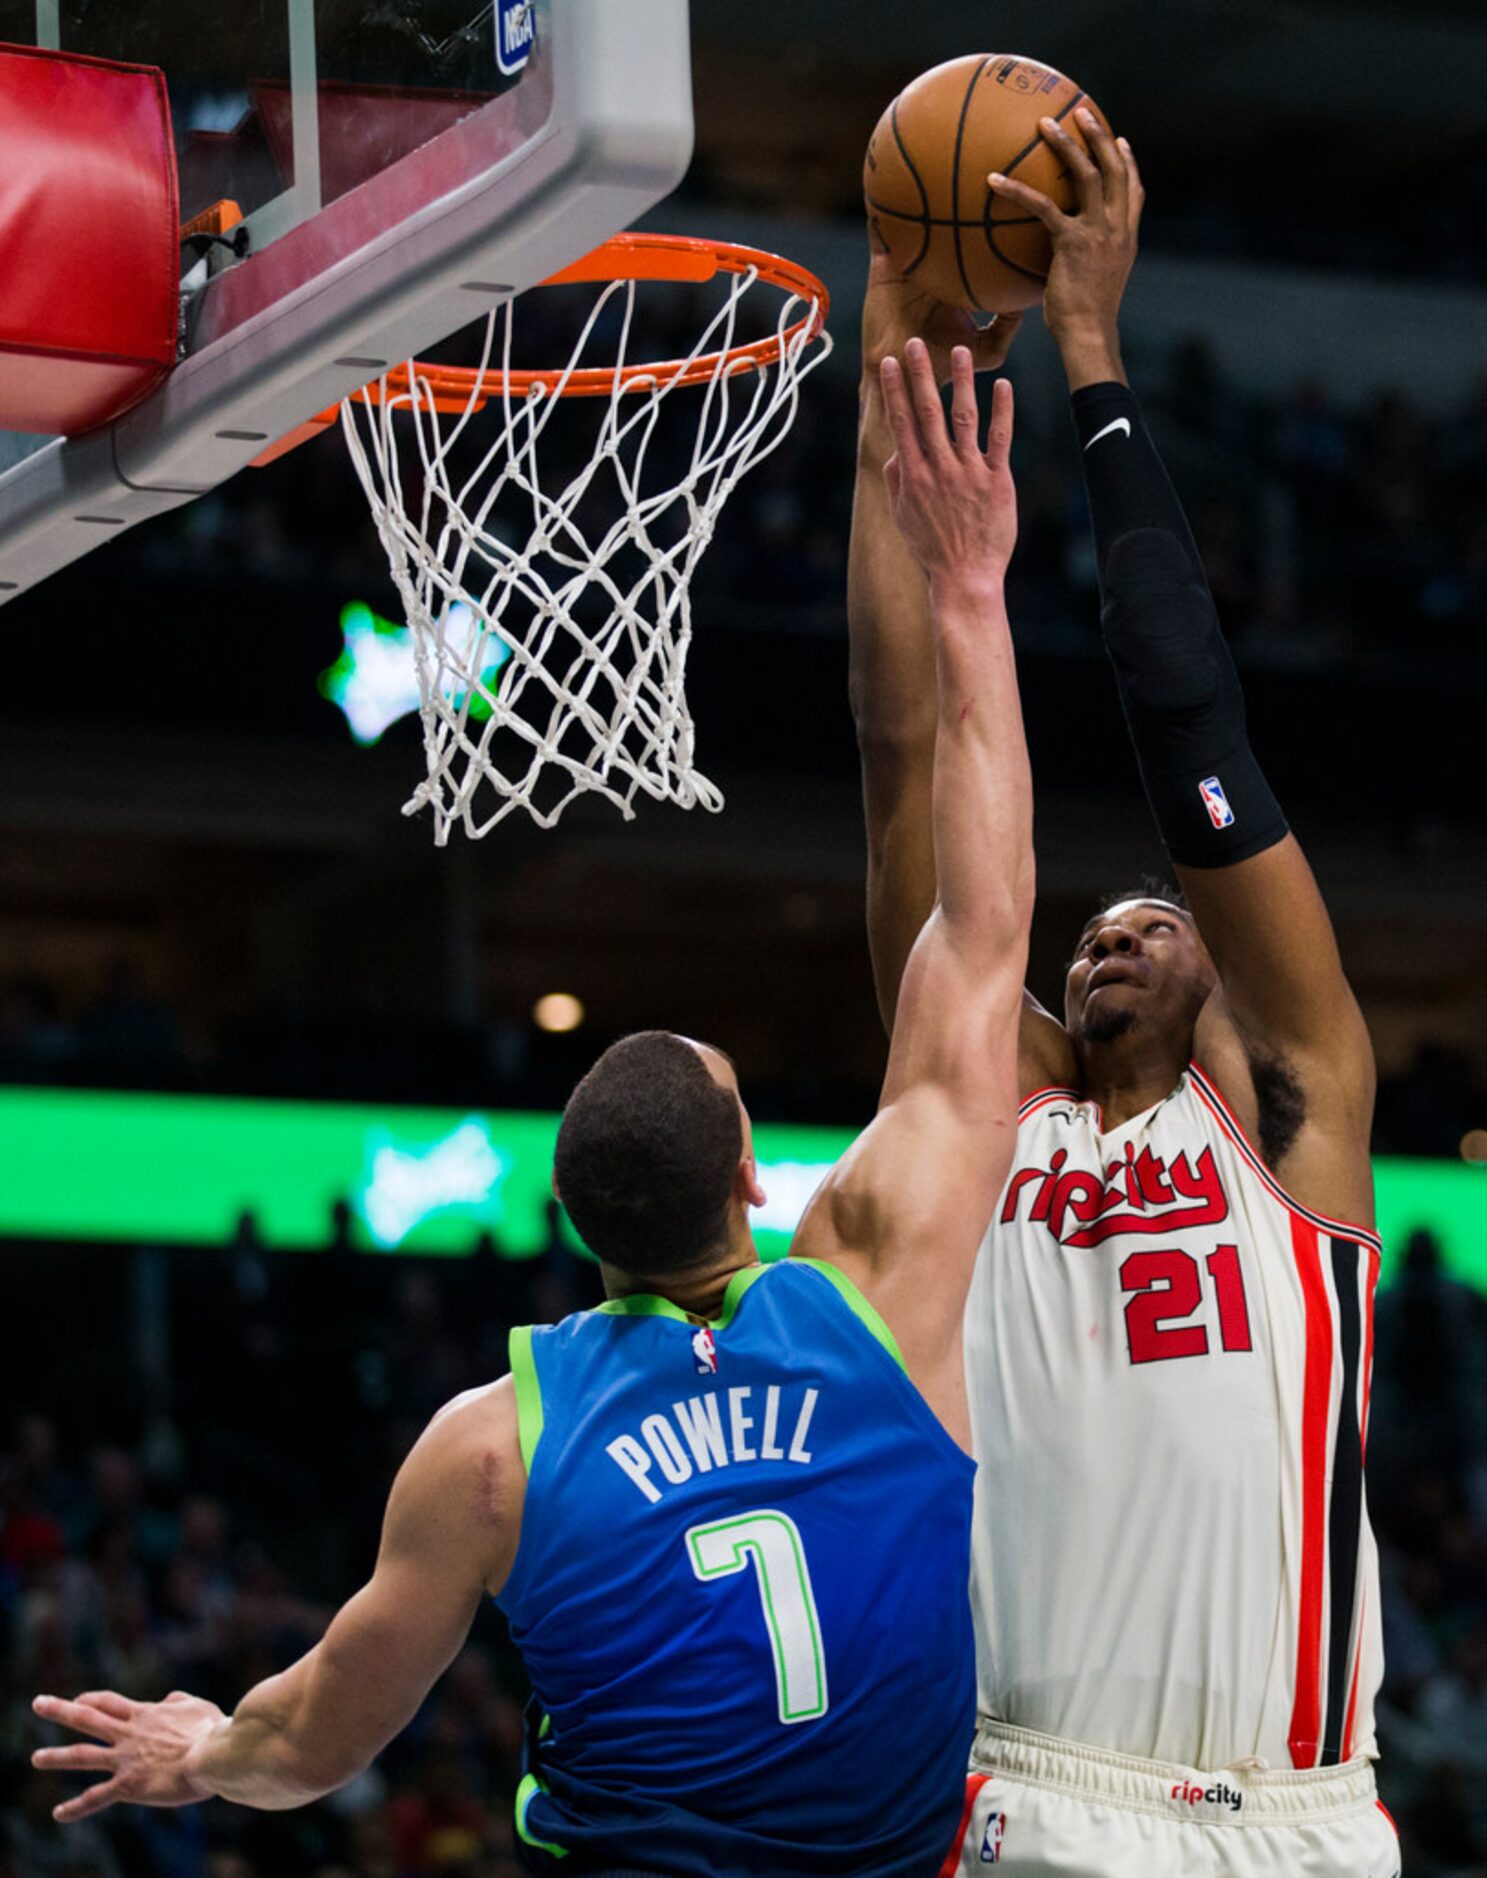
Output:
[[145, 1748], [896, 311], [1094, 250], [954, 504]]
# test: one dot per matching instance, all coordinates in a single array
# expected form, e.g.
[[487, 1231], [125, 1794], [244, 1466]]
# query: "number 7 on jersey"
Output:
[[770, 1541]]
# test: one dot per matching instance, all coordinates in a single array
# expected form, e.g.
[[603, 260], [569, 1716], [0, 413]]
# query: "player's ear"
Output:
[[746, 1182], [553, 1183]]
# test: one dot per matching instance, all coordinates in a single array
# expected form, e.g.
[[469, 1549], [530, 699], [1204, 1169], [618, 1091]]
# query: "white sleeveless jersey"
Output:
[[1168, 1362]]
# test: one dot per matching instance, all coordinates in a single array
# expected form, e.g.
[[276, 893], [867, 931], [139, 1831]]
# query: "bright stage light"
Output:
[[375, 679], [558, 1011]]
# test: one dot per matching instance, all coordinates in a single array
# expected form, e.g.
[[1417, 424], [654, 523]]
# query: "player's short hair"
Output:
[[1150, 889], [647, 1151]]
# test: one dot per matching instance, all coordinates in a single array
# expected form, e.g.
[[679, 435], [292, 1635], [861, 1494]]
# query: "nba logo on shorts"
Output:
[[705, 1351], [991, 1841], [1216, 802], [516, 33]]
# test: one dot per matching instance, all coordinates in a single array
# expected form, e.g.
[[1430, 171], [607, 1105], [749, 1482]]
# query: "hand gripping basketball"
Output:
[[955, 505], [1093, 251]]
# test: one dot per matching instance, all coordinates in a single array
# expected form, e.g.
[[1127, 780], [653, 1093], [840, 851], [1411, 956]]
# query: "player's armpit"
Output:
[[1045, 1051], [1284, 1037], [449, 1536], [1266, 926], [1309, 1124]]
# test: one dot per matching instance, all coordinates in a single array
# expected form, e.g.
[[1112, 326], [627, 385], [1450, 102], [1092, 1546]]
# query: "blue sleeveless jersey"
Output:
[[741, 1590]]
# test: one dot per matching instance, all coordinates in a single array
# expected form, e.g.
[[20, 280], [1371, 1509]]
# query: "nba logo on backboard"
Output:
[[516, 33], [705, 1351], [991, 1842], [1216, 802]]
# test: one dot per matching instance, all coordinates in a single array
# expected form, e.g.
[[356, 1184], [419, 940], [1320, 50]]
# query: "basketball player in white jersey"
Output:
[[1170, 1332]]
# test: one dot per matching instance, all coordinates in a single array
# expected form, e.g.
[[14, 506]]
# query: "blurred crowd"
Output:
[[188, 1516], [1399, 225], [129, 1036], [192, 1521], [1427, 1484], [1334, 537], [1345, 540]]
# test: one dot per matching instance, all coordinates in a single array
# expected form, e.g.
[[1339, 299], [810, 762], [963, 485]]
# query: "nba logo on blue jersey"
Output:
[[705, 1351], [1216, 802], [516, 34], [991, 1843]]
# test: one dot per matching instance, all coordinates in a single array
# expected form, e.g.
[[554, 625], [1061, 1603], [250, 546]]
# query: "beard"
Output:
[[1106, 1022]]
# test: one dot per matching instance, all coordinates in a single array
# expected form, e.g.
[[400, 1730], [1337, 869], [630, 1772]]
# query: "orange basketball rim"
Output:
[[682, 258]]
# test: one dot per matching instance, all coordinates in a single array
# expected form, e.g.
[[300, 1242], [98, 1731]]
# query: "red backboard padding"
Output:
[[89, 239]]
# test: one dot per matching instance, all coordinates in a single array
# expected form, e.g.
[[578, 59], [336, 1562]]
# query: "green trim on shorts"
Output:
[[859, 1306], [530, 1787], [528, 1392]]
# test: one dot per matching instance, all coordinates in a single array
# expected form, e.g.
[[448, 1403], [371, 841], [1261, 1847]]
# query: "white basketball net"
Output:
[[550, 663]]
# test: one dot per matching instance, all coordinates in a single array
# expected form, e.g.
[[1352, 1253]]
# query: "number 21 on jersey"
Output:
[[770, 1542], [1166, 1287]]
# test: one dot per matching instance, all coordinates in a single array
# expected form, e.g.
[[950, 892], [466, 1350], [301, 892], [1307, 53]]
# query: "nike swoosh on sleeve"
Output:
[[1119, 423]]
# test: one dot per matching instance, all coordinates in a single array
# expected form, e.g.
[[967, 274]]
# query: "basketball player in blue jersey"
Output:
[[728, 1512], [1168, 1343]]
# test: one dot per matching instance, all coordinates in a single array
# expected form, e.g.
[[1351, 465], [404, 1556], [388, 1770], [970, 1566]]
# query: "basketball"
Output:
[[925, 185]]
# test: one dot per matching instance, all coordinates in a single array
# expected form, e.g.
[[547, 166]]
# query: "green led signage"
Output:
[[82, 1164]]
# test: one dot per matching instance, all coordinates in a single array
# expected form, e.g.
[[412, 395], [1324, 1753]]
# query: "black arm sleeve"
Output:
[[1177, 682]]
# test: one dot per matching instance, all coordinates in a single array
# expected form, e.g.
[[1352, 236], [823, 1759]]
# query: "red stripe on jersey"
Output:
[[974, 1784], [1306, 1713], [1372, 1285], [1040, 1096], [1374, 1262]]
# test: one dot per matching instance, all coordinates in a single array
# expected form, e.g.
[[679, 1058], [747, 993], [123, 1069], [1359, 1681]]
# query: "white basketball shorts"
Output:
[[1041, 1808]]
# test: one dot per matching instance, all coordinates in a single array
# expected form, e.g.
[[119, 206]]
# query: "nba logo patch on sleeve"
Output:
[[1216, 802], [516, 34], [705, 1352]]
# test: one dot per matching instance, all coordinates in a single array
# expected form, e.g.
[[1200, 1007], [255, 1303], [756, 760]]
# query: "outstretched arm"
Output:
[[892, 684], [957, 511], [449, 1536], [1245, 877], [905, 1209]]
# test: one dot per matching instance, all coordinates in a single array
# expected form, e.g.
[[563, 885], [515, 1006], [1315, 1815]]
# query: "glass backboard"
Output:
[[401, 166], [284, 105]]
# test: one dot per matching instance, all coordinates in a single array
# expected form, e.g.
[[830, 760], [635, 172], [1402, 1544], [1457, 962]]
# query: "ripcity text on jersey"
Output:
[[743, 1568], [1168, 1362]]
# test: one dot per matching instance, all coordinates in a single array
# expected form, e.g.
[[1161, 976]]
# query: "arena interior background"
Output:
[[222, 1320]]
